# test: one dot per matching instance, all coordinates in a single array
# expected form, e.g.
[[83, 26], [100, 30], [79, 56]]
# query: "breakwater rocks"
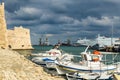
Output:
[[14, 66]]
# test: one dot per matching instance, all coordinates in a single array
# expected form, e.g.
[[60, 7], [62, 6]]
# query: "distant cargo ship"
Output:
[[106, 43], [101, 43], [83, 42]]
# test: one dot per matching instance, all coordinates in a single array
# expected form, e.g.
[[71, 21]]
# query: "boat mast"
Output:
[[112, 35]]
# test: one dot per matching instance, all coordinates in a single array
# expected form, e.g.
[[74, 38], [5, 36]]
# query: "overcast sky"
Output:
[[63, 19]]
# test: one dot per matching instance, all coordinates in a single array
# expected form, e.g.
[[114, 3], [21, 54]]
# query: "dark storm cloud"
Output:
[[83, 8], [64, 18], [14, 5]]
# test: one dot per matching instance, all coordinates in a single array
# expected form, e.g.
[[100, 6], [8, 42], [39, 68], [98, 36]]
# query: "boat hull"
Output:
[[43, 60], [63, 69]]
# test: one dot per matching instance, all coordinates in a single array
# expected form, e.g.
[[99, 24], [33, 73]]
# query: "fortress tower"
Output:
[[17, 38], [3, 29]]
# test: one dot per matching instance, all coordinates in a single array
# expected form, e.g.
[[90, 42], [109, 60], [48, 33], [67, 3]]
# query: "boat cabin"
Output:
[[95, 56]]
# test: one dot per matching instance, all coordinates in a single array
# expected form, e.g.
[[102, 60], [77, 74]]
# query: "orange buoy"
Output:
[[96, 57]]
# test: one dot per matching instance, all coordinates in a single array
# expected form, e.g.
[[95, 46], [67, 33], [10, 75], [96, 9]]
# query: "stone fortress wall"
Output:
[[18, 38]]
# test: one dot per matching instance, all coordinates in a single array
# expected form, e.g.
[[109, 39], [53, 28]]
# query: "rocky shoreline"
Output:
[[14, 66]]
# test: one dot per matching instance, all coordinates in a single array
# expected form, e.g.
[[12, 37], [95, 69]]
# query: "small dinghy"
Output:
[[88, 76]]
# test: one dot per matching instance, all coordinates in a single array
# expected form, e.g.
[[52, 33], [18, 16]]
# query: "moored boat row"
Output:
[[91, 66]]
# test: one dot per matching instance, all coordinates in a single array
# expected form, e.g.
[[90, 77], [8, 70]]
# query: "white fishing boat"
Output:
[[64, 57], [88, 76], [43, 60], [80, 76], [91, 62], [51, 55]]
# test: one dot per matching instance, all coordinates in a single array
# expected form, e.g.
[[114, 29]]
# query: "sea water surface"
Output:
[[109, 57]]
